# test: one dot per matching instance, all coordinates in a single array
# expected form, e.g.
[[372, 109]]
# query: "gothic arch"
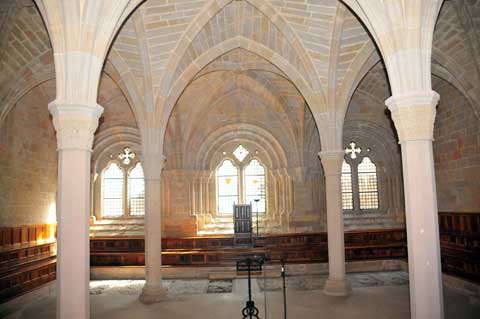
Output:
[[204, 17], [224, 47], [241, 132], [112, 138], [26, 87], [248, 86]]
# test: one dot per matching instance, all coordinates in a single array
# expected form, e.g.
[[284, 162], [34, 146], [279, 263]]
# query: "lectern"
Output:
[[242, 224]]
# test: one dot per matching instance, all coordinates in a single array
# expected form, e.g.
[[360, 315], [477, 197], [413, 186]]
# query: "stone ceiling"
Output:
[[162, 48]]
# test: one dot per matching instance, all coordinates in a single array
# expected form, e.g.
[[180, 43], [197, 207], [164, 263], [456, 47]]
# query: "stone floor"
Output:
[[375, 295]]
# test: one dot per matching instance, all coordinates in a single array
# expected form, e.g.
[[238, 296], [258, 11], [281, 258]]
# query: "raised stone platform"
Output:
[[118, 227]]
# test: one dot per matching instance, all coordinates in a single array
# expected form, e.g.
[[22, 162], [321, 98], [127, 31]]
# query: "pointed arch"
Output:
[[367, 184], [255, 181], [227, 177], [346, 186], [315, 102], [211, 10], [113, 190], [136, 191]]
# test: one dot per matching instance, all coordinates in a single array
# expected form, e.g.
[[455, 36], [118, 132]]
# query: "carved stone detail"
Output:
[[75, 124], [414, 115]]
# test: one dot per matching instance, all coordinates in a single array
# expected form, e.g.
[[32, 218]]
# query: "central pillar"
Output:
[[414, 116], [337, 284], [75, 126], [153, 291]]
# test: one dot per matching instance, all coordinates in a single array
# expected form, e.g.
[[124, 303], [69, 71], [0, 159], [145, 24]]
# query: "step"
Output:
[[215, 232], [126, 233], [120, 221], [118, 228], [218, 226], [111, 227]]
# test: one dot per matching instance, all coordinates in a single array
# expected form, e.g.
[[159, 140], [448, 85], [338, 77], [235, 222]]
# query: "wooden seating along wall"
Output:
[[28, 253], [460, 244], [27, 258], [216, 251]]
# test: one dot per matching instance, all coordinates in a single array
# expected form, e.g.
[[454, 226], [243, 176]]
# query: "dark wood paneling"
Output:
[[460, 244], [27, 254], [10, 236], [213, 251], [27, 258], [26, 279]]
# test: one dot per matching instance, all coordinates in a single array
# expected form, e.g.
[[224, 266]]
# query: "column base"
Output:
[[152, 295], [337, 287]]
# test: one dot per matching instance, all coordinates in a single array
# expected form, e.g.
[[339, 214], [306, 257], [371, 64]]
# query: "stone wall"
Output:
[[28, 157], [28, 160], [117, 111], [369, 125], [456, 151], [240, 98], [117, 130]]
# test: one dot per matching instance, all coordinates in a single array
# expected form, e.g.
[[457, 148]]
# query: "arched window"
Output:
[[136, 191], [227, 187], [254, 183], [346, 182], [367, 184], [359, 180], [241, 179], [113, 191], [122, 187]]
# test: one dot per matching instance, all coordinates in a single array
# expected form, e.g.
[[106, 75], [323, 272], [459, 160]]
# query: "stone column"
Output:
[[337, 284], [153, 291], [75, 126], [414, 116]]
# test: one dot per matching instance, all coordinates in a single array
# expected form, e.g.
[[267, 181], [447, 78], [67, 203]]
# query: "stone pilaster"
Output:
[[337, 284], [414, 116], [80, 40], [403, 31], [153, 291], [75, 125]]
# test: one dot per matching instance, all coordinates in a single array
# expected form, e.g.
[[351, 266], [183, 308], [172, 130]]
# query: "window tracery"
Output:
[[240, 153], [112, 190], [241, 181], [254, 182], [136, 191], [367, 184], [123, 186], [359, 180], [227, 187], [347, 189]]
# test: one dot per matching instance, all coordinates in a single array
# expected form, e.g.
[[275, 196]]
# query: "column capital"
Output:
[[414, 114], [331, 162], [153, 164], [75, 124]]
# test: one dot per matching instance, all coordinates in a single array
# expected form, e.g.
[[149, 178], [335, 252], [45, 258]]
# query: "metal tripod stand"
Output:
[[250, 311]]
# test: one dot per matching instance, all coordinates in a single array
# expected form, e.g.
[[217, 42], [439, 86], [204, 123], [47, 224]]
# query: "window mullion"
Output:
[[355, 188], [125, 195], [241, 185]]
